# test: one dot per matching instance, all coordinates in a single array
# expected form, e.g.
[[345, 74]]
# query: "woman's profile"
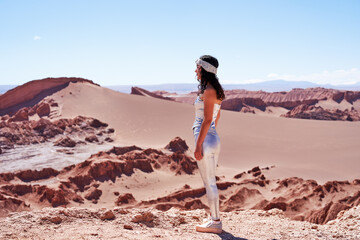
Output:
[[207, 114]]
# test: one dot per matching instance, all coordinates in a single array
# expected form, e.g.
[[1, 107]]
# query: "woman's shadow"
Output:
[[228, 236]]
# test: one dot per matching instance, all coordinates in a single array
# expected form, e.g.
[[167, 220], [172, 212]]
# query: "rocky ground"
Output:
[[92, 181], [119, 223], [31, 139]]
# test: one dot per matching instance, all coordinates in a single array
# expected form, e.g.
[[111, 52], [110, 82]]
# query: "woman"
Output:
[[207, 113]]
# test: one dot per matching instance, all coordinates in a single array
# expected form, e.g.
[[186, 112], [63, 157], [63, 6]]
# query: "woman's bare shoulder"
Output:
[[210, 92]]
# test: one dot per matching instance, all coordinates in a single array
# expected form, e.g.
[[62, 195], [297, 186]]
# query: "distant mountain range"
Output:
[[268, 86]]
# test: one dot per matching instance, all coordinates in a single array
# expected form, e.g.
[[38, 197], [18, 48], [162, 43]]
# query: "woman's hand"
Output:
[[197, 153]]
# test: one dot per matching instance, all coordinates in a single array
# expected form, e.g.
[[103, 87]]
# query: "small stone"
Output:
[[108, 215], [121, 211], [56, 219], [128, 227], [196, 217], [91, 138], [146, 218]]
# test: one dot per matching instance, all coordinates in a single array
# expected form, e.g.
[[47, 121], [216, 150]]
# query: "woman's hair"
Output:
[[208, 77]]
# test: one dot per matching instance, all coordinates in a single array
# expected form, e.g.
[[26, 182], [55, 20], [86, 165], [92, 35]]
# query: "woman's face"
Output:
[[198, 72]]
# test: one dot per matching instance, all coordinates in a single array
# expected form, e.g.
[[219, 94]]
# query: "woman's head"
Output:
[[206, 69]]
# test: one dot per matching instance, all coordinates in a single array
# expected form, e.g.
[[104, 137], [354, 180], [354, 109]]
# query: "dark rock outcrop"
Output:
[[33, 175], [312, 112], [125, 199], [177, 145], [65, 142], [325, 214], [43, 109], [20, 115]]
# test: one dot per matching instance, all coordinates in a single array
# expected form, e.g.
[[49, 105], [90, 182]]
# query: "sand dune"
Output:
[[32, 92], [320, 150]]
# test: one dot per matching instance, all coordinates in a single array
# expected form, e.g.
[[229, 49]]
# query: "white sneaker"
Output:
[[210, 226], [208, 218]]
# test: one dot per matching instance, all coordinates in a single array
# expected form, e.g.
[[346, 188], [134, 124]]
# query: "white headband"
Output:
[[207, 66]]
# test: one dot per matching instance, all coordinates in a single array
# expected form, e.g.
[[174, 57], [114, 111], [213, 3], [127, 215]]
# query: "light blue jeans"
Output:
[[207, 166]]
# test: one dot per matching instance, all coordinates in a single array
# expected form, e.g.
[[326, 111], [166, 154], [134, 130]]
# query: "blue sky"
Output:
[[153, 42]]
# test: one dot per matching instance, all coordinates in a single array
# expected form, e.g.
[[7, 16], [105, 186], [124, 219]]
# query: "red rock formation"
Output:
[[248, 101], [351, 200], [55, 197], [146, 93], [351, 96], [95, 123], [33, 175], [243, 104], [32, 92], [93, 193], [33, 132], [65, 142], [240, 175], [325, 214], [177, 145], [238, 200], [43, 109], [123, 150], [312, 112], [279, 205], [11, 204], [299, 199], [19, 189], [91, 138], [21, 115], [195, 204], [6, 177], [107, 170], [81, 181], [182, 163], [125, 199]]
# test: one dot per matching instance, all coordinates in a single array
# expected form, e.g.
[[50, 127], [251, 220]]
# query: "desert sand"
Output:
[[317, 161], [310, 149]]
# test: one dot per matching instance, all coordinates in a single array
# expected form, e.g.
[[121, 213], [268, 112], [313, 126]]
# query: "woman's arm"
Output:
[[209, 98]]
